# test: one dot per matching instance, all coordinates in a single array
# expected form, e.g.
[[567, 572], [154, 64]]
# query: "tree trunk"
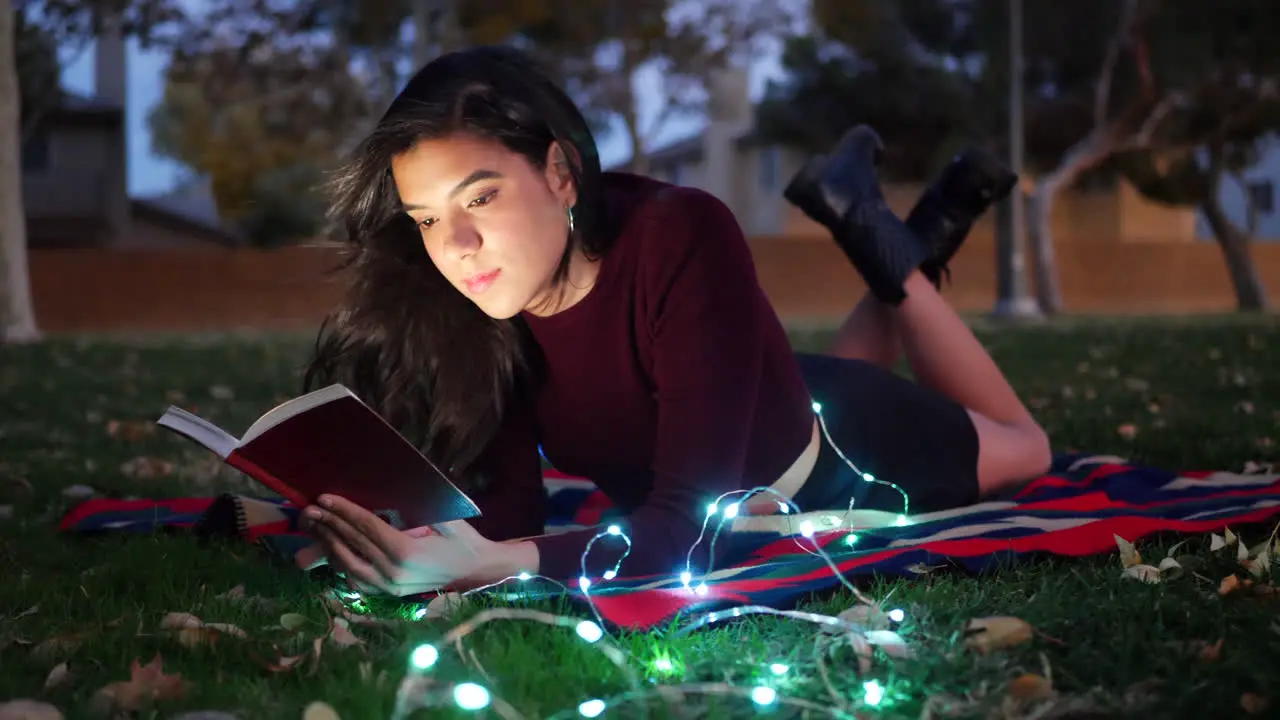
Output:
[[17, 313], [1087, 153], [1236, 251]]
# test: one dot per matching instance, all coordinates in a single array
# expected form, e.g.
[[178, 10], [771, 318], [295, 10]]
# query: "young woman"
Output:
[[509, 297]]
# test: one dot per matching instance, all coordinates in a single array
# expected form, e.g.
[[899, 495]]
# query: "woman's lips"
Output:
[[480, 282]]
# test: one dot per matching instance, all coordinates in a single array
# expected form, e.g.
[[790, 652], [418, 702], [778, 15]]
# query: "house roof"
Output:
[[690, 149]]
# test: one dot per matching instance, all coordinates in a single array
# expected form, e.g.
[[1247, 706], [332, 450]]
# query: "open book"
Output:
[[328, 441]]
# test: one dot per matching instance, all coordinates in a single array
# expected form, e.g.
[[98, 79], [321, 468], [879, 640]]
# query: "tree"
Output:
[[1218, 79], [55, 23], [262, 101], [18, 316], [598, 46]]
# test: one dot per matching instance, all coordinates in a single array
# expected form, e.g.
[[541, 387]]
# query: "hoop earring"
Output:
[[569, 212]]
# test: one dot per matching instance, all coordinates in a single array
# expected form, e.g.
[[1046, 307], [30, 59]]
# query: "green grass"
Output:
[[1197, 394]]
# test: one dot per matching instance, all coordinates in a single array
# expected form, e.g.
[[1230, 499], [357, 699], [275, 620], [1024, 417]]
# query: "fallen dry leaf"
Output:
[[890, 642], [146, 684], [320, 711], [57, 676], [1210, 653], [994, 633], [1031, 687], [58, 646], [868, 617], [1253, 703], [28, 710], [1228, 585], [191, 631], [293, 621], [1129, 555], [1145, 573], [130, 430], [340, 633], [145, 468]]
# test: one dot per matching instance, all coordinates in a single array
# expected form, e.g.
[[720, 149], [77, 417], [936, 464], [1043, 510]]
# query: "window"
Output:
[[675, 173], [769, 161], [1263, 196], [35, 153]]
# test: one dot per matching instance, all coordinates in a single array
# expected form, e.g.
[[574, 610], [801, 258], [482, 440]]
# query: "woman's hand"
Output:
[[376, 556]]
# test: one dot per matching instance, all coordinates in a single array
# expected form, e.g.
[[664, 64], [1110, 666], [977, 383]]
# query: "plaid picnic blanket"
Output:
[[1074, 510]]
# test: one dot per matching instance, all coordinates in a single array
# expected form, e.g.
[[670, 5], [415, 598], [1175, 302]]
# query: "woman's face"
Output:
[[495, 225]]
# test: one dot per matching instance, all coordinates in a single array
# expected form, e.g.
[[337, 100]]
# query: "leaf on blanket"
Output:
[[28, 710], [146, 684], [1260, 564], [987, 634], [1129, 555]]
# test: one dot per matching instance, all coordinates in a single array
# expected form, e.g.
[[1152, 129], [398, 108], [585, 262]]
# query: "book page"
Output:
[[291, 408], [200, 430]]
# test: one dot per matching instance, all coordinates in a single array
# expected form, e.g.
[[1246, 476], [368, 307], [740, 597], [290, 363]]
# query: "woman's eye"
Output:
[[426, 223], [483, 200]]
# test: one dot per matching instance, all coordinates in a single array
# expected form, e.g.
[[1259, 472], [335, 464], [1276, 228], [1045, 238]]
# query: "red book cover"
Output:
[[328, 441]]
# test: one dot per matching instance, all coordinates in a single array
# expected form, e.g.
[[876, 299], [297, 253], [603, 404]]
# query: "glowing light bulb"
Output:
[[817, 407], [763, 695], [731, 512], [610, 574], [614, 530], [471, 696], [897, 615], [589, 631], [851, 539], [701, 589], [420, 613], [524, 576], [424, 656], [591, 708], [662, 665], [711, 509], [584, 582], [779, 668], [782, 508], [685, 578], [872, 692], [902, 520], [806, 529], [868, 477]]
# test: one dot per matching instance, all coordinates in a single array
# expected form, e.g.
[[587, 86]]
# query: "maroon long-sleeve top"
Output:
[[671, 382]]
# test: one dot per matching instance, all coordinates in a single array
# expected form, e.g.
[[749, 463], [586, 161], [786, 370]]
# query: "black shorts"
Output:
[[892, 428]]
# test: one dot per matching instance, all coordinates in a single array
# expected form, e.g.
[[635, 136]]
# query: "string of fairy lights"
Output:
[[420, 689]]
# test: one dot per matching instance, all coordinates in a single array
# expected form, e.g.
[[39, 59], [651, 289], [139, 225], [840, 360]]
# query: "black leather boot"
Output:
[[842, 192], [970, 184]]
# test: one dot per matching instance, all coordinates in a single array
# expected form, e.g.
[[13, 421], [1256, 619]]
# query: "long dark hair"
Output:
[[404, 340]]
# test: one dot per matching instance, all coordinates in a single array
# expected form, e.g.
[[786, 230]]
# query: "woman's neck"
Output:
[[578, 282]]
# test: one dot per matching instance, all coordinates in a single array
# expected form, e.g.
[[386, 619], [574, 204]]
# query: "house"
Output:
[[1258, 185], [727, 160], [75, 175]]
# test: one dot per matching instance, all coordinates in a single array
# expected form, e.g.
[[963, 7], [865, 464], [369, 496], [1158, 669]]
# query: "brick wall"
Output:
[[806, 277]]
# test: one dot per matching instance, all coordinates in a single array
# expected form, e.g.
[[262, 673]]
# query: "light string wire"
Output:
[[419, 690]]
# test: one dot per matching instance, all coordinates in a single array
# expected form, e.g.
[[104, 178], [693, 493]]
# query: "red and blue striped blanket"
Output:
[[1074, 510]]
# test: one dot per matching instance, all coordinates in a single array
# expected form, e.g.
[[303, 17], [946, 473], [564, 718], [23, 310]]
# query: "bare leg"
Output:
[[869, 333], [945, 355]]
